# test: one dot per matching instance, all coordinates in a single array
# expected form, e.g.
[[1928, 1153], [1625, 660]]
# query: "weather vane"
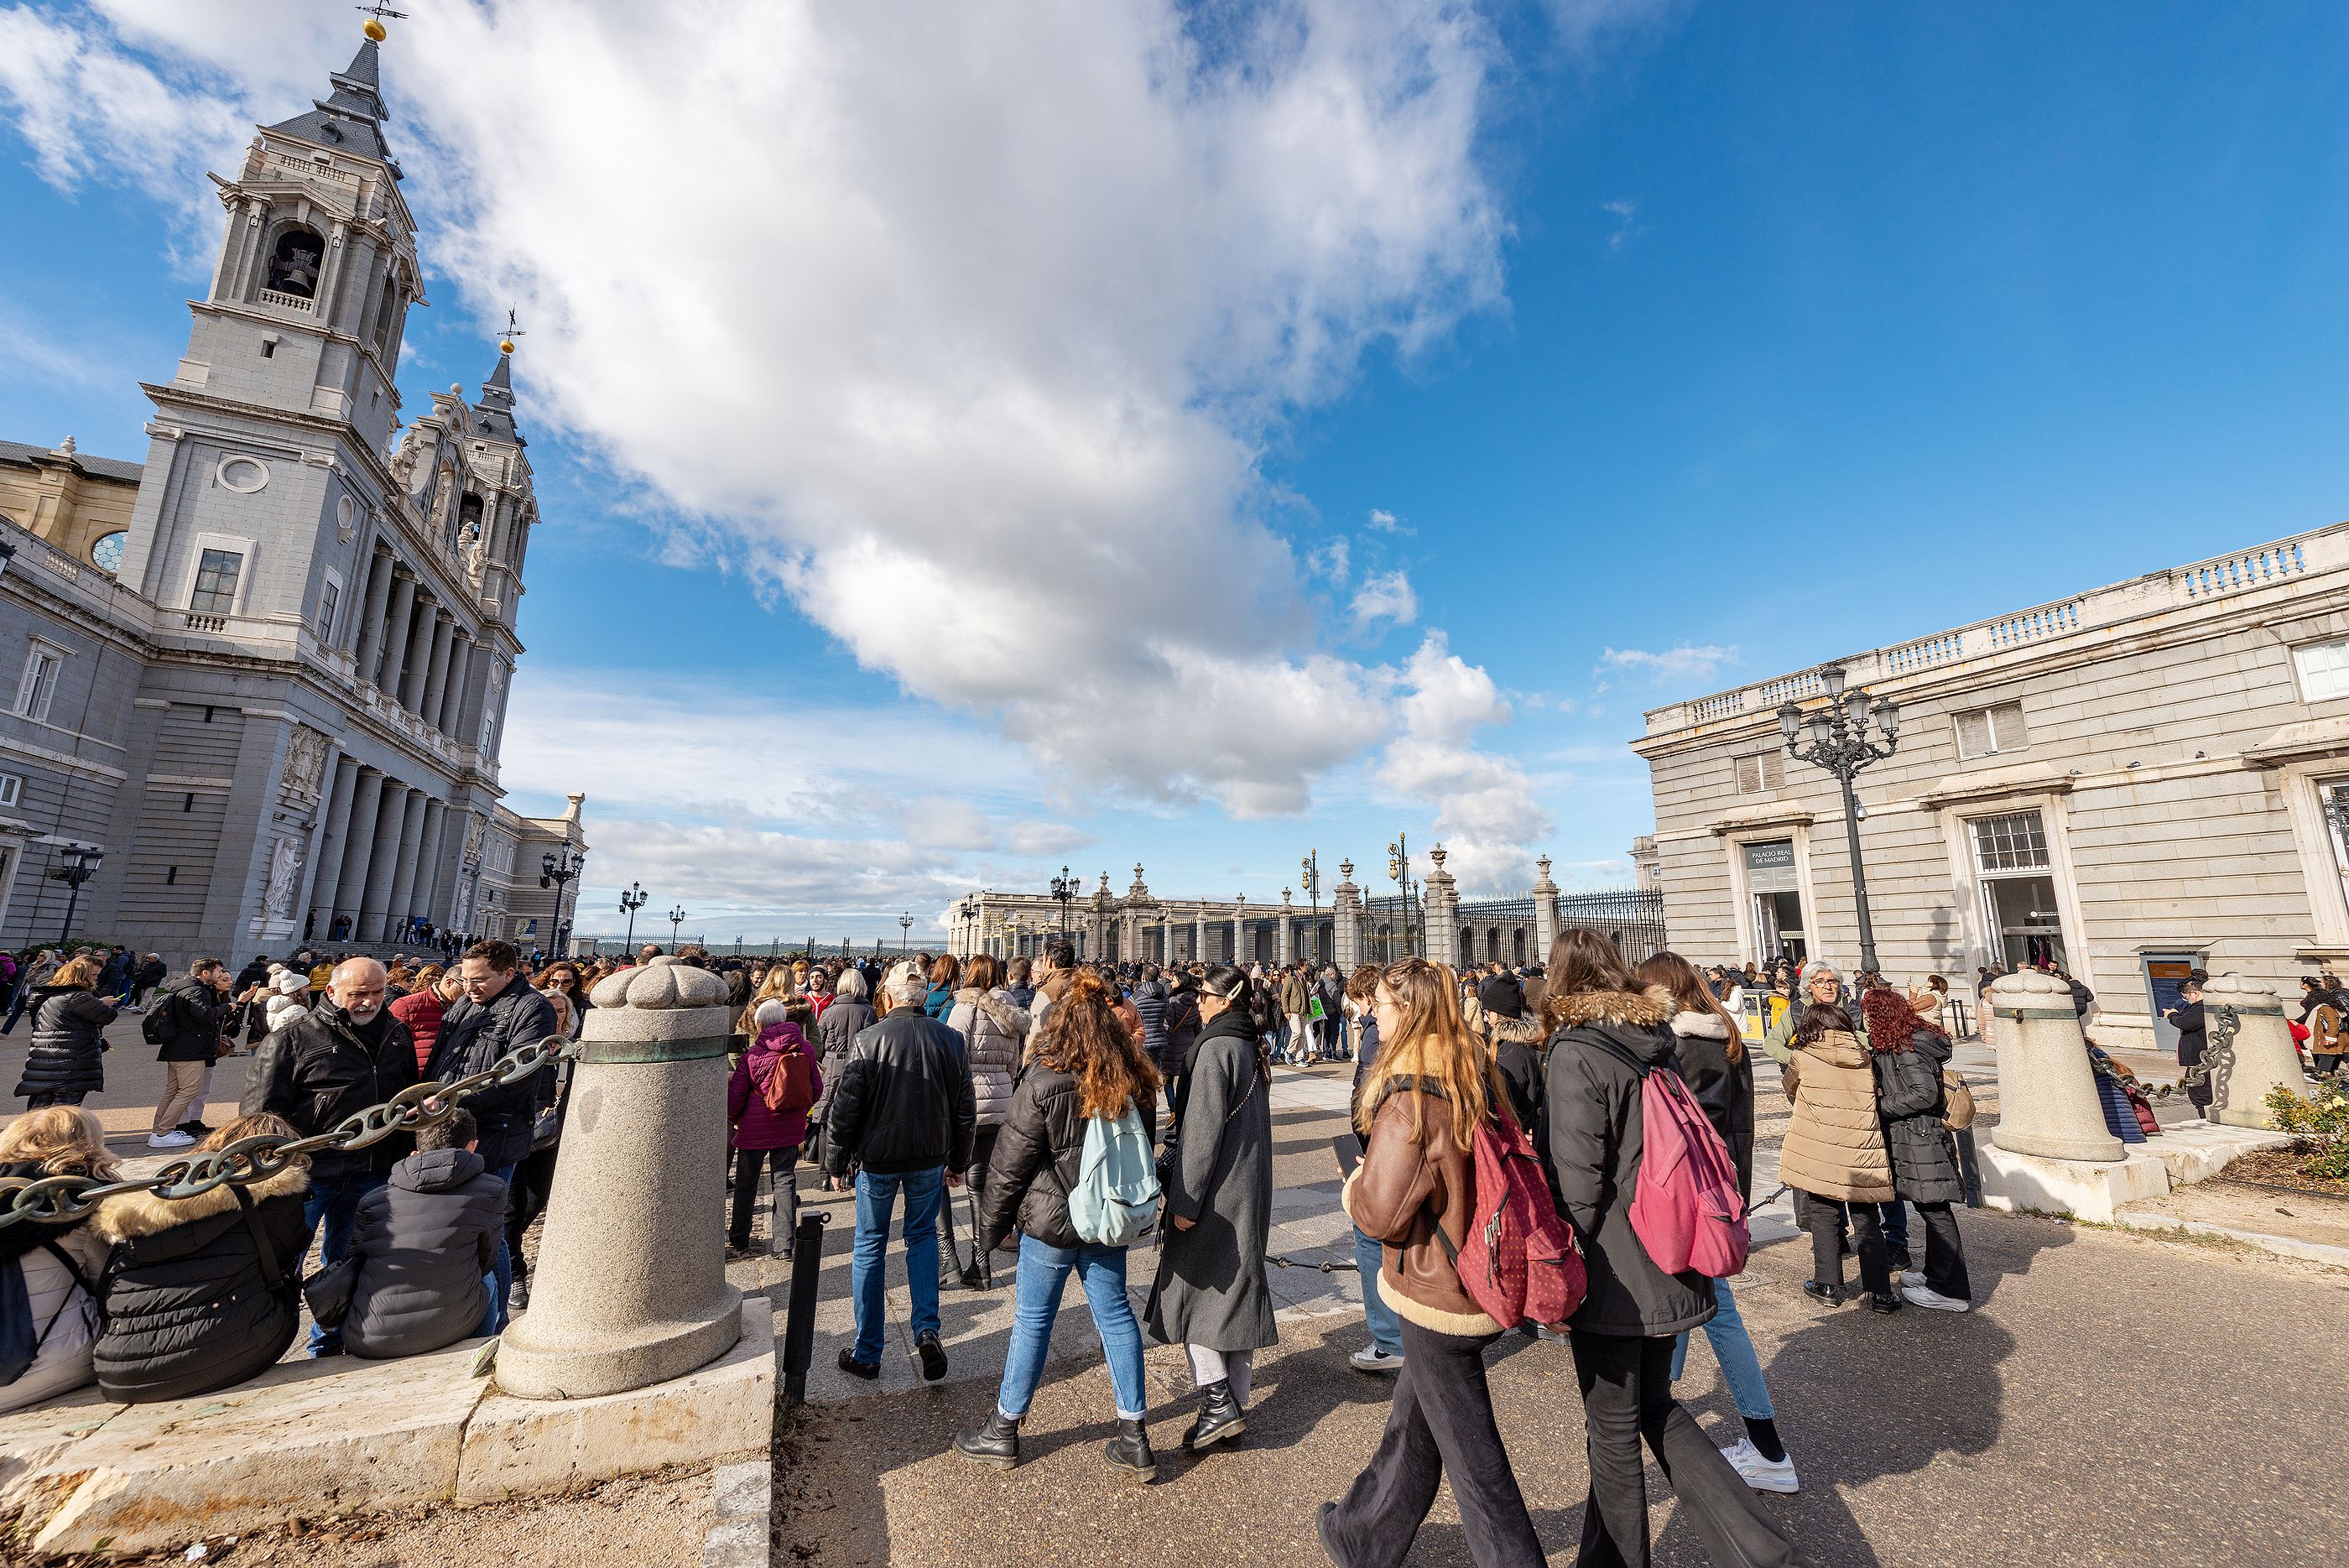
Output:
[[375, 15], [513, 330]]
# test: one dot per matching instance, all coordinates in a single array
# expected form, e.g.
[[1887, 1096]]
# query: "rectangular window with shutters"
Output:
[[1761, 771], [39, 685], [329, 596], [216, 575], [1986, 731], [2323, 671]]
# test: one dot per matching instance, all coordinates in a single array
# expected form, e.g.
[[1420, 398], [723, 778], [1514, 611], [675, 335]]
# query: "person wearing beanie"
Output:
[[762, 1133]]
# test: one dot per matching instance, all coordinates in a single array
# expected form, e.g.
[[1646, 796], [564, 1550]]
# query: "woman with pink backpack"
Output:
[[1609, 1032]]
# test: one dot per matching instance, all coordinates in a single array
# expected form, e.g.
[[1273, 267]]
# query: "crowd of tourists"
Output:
[[1068, 1110]]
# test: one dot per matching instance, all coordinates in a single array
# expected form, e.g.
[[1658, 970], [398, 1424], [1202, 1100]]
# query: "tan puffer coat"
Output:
[[1834, 1145]]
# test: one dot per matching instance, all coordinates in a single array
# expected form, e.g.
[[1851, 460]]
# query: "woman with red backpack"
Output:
[[766, 1105], [1609, 1032], [1418, 1110]]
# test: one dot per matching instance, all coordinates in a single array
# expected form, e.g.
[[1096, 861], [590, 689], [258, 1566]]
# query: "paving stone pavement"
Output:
[[2093, 1411]]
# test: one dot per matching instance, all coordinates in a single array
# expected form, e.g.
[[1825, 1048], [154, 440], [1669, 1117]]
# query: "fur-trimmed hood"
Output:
[[127, 1215], [1651, 1007], [1699, 1025], [1523, 1030]]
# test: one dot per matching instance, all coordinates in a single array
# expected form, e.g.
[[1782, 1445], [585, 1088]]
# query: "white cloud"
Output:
[[1386, 597], [1625, 212], [1384, 521], [1333, 560], [1678, 662], [973, 365], [1486, 813]]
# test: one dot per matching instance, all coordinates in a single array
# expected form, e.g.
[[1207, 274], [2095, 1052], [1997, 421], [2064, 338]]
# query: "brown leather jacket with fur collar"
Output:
[[1407, 1183]]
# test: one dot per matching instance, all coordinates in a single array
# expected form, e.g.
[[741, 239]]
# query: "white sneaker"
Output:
[[1762, 1474], [1911, 1277], [173, 1140], [1370, 1358], [1919, 1294]]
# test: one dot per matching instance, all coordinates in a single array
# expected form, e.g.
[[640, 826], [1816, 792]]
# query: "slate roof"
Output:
[[103, 467], [351, 118]]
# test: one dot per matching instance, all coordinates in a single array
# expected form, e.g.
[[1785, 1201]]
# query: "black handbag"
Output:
[[329, 1292]]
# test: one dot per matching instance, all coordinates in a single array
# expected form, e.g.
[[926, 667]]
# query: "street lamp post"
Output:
[[1311, 866], [905, 934], [1839, 743], [85, 857], [630, 902], [1398, 868], [675, 919], [556, 870], [1065, 889]]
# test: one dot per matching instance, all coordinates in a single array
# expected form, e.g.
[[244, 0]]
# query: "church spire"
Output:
[[351, 118]]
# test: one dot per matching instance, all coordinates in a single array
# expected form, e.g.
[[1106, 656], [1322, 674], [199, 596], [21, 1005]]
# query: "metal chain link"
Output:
[[54, 1199]]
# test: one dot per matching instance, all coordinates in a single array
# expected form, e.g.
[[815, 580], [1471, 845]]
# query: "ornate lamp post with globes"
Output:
[[905, 932], [1840, 743], [630, 902], [1066, 888], [556, 870], [675, 919]]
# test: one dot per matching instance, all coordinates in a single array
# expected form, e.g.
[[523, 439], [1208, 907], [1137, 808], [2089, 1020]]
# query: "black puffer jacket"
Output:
[[1045, 1127], [473, 1036], [1909, 1096], [903, 1101], [317, 1069], [68, 1043], [196, 1013], [200, 1293], [1595, 1140], [424, 1240]]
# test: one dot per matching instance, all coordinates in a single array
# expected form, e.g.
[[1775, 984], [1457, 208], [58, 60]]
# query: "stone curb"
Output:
[[745, 1497], [2279, 1246]]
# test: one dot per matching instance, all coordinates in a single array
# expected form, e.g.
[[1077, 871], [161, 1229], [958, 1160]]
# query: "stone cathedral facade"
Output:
[[265, 674]]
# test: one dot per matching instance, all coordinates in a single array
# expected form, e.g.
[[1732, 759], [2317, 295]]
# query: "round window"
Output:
[[107, 554], [346, 512], [243, 475]]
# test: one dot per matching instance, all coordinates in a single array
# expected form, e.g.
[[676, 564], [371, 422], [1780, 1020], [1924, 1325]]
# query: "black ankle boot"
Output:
[[1220, 1417], [1130, 1450], [997, 1443]]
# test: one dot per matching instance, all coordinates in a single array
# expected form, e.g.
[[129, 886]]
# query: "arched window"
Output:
[[295, 261], [107, 554], [468, 521], [386, 311]]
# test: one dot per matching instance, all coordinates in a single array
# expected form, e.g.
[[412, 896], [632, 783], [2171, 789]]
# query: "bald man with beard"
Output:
[[348, 1053]]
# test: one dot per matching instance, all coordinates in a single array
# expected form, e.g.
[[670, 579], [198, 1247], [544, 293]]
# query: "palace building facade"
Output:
[[2129, 783], [262, 675]]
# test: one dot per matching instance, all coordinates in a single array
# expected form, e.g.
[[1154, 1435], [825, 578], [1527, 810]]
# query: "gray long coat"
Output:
[[1211, 1290]]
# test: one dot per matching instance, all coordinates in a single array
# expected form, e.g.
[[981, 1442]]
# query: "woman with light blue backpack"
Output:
[[1073, 1172]]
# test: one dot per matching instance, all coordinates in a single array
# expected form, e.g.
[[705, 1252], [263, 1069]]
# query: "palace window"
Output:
[[12, 789], [2014, 842], [329, 595], [2323, 671], [1986, 731], [1760, 771], [107, 554]]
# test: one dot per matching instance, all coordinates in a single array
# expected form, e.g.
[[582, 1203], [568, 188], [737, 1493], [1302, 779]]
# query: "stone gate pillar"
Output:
[[1440, 912], [630, 1287], [1284, 948], [1545, 913], [2253, 1056], [2046, 1090], [1346, 921]]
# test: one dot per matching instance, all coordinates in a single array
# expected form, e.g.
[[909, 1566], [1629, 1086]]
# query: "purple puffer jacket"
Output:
[[756, 1126]]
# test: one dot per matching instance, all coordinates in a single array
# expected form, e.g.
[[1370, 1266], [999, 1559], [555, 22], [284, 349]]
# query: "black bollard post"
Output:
[[798, 1326]]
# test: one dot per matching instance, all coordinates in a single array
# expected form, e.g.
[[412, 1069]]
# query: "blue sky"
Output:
[[1122, 454]]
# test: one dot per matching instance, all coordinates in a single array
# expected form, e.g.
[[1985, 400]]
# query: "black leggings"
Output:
[[782, 1162], [526, 1195]]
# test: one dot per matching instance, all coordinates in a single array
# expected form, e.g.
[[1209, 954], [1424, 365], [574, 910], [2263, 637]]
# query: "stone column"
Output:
[[452, 695], [1199, 938], [359, 847], [1239, 931], [377, 593], [398, 615], [409, 688], [412, 894], [1545, 913], [2253, 1057], [1346, 921], [383, 860], [2046, 1090], [1285, 944], [436, 670], [630, 1287], [1441, 913], [329, 861]]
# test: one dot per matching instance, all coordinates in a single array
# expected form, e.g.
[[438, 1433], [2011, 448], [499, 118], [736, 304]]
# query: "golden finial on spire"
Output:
[[513, 330], [376, 13]]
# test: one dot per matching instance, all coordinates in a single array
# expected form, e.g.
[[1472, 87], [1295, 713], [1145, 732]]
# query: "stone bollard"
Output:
[[2046, 1090], [2252, 1057], [630, 1287]]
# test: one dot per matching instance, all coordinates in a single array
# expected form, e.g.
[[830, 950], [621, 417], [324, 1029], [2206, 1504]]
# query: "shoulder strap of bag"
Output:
[[269, 1269], [80, 1283], [1620, 1055]]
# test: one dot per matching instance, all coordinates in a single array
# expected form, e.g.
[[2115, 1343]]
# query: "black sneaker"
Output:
[[867, 1370], [1884, 1302], [1826, 1295], [196, 1129], [933, 1354]]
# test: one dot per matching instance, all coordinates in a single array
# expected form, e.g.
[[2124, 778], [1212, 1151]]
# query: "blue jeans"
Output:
[[495, 1310], [336, 1201], [1386, 1328], [877, 1196], [1732, 1348], [501, 1266], [1895, 1215], [1043, 1275]]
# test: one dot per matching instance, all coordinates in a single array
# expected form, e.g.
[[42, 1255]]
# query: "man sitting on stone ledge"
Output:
[[427, 1243]]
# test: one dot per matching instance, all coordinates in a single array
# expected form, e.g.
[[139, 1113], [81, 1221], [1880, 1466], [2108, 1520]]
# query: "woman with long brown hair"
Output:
[[1713, 1060], [1083, 1066], [1418, 1109], [65, 1063], [1608, 1031]]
